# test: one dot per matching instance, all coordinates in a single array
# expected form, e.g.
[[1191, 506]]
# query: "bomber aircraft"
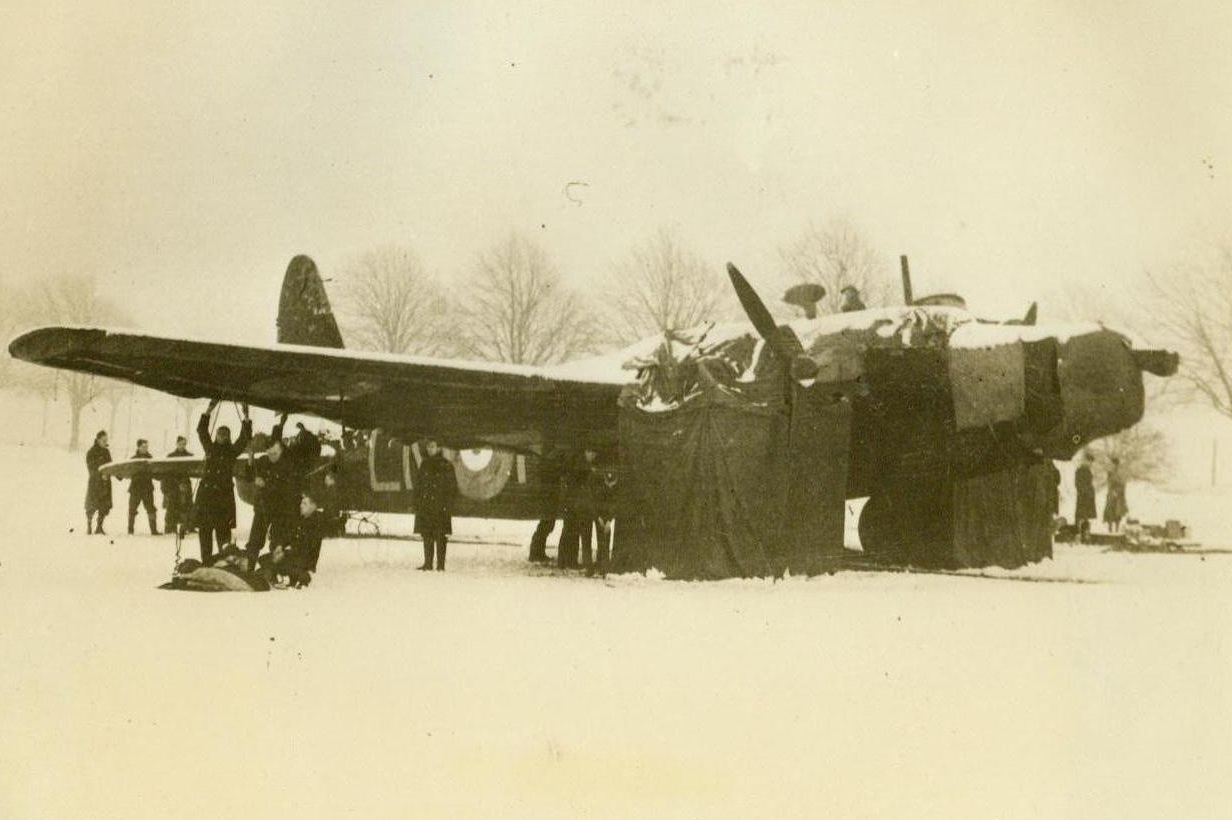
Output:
[[933, 392]]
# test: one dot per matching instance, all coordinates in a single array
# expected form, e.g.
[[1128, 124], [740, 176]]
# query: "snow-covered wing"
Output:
[[155, 468], [457, 401]]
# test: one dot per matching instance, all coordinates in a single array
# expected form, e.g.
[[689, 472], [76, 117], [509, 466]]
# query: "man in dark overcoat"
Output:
[[177, 493], [595, 507], [215, 507], [1084, 492], [98, 486], [296, 560], [576, 512], [436, 487], [308, 531], [141, 491], [301, 457], [550, 470], [583, 502], [271, 499]]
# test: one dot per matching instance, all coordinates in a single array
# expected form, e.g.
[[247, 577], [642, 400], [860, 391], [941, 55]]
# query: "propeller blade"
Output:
[[754, 307], [785, 344]]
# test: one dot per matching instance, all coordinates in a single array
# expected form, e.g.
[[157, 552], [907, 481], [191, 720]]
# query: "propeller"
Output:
[[782, 340]]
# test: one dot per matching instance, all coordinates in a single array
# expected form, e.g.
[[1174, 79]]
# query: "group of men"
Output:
[[177, 492], [286, 511], [581, 491], [286, 515]]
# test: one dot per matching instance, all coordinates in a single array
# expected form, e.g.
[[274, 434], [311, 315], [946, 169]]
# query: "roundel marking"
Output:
[[482, 473]]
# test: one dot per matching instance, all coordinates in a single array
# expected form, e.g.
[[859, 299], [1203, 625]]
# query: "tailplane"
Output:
[[304, 314]]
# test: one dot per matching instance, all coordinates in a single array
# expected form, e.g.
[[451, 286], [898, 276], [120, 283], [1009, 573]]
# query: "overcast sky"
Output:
[[184, 152]]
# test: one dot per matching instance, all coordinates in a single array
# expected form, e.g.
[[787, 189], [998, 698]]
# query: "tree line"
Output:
[[512, 304]]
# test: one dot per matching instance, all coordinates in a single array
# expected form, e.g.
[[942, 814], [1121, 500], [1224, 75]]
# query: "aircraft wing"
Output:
[[178, 467], [462, 403]]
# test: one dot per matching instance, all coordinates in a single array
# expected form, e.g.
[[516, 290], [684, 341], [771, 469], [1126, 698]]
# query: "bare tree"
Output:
[[662, 286], [1142, 450], [74, 300], [1189, 307], [516, 309], [836, 255], [392, 304]]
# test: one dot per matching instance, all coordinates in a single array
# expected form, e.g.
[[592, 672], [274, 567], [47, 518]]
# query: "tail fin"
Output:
[[304, 314]]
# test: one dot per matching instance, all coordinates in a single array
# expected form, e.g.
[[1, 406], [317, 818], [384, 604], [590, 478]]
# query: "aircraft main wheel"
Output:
[[881, 533], [909, 522]]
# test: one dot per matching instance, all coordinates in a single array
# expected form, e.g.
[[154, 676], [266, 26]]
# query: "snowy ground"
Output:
[[495, 690]]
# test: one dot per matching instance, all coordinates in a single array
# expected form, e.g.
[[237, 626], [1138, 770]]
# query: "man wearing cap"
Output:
[[851, 299], [435, 488], [141, 491]]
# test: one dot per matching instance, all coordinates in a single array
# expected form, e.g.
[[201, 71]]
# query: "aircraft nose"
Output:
[[1100, 382]]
